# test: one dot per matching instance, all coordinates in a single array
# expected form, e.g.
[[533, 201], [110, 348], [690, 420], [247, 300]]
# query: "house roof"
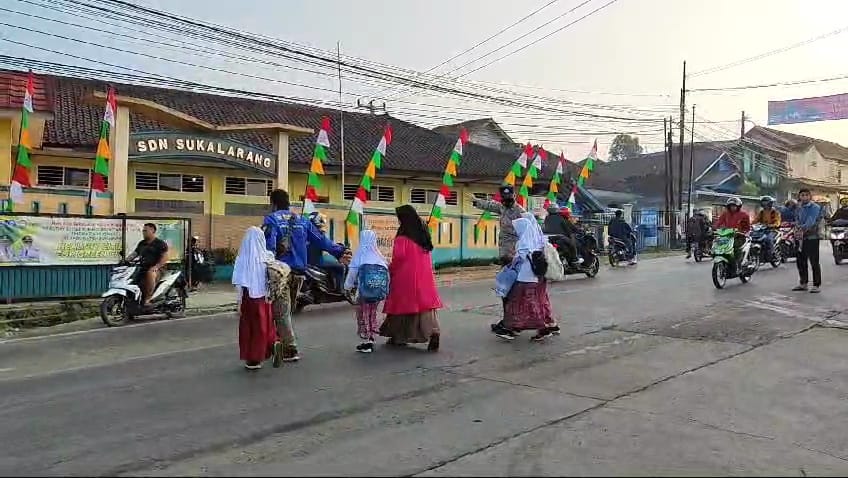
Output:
[[414, 149], [452, 129], [645, 174], [795, 142], [13, 87]]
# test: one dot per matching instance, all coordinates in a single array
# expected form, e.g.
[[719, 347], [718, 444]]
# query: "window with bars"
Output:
[[62, 176], [378, 193], [484, 196], [428, 196], [187, 183], [248, 187], [165, 205]]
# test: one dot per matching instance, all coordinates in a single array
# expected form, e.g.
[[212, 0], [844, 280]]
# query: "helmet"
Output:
[[767, 201], [733, 201], [318, 219]]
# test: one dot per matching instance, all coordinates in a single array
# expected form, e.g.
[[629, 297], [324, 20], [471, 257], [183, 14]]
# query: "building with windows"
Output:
[[214, 159]]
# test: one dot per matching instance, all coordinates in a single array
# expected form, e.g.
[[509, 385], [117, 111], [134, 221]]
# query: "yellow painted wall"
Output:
[[5, 150]]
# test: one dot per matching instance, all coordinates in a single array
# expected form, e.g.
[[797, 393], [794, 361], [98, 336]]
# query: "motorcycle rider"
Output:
[[315, 255], [771, 218], [288, 236], [557, 222], [619, 229], [842, 212], [735, 218], [508, 210], [697, 229], [789, 212]]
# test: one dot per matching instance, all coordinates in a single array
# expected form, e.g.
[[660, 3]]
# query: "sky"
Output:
[[627, 57]]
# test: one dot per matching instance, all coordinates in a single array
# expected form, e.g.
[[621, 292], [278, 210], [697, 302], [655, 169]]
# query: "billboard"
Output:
[[808, 110]]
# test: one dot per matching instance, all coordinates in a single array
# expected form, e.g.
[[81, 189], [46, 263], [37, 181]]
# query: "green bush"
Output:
[[224, 256]]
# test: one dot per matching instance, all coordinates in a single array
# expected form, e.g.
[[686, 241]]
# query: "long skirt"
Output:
[[527, 306], [411, 328], [256, 329]]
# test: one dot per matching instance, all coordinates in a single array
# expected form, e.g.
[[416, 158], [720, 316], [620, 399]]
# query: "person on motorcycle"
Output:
[[315, 255], [152, 254], [842, 212], [771, 218], [789, 212], [619, 229], [735, 218], [697, 229], [558, 223], [288, 236], [507, 210]]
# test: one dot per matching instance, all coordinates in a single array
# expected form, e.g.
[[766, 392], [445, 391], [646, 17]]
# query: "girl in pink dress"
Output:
[[413, 297]]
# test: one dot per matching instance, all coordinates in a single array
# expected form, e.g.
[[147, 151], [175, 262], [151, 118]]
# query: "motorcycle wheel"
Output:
[[719, 275], [594, 267], [837, 259], [112, 311], [753, 268], [777, 258], [181, 310], [613, 258]]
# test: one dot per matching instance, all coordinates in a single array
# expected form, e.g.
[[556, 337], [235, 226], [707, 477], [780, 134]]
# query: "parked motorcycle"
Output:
[[786, 242], [321, 287], [123, 302], [725, 265], [765, 253], [618, 251], [839, 240], [703, 248], [586, 243]]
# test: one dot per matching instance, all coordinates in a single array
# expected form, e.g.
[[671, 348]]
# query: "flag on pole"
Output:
[[104, 153], [23, 163], [556, 180], [357, 204], [589, 164], [316, 168], [514, 171], [447, 180], [532, 173]]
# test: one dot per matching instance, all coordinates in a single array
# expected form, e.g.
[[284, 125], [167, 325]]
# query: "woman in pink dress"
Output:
[[413, 298]]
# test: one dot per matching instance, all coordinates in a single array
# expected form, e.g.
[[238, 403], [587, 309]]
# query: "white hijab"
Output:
[[249, 271], [366, 253], [530, 236]]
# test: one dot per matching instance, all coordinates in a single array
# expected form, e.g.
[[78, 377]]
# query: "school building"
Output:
[[214, 159]]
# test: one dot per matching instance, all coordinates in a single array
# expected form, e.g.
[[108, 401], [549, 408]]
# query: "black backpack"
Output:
[[538, 263]]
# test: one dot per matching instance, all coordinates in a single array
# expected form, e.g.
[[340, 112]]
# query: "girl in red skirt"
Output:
[[256, 325], [527, 304]]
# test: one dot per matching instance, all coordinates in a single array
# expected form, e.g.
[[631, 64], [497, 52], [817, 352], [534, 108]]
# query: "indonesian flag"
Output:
[[23, 163], [104, 153]]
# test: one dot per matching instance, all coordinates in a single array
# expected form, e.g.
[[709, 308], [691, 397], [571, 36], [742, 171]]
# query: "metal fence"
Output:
[[654, 229]]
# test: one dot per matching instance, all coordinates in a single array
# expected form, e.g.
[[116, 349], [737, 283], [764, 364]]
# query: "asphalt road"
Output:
[[656, 372]]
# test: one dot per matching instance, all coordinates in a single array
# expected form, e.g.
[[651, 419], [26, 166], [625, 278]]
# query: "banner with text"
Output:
[[808, 110], [44, 240]]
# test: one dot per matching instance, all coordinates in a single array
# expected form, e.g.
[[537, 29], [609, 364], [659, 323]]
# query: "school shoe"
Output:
[[365, 347], [290, 354], [433, 346], [541, 335], [278, 354], [815, 289], [253, 365], [800, 288], [502, 332], [554, 330]]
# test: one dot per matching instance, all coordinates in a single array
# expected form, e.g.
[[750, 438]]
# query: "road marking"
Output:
[[4, 370]]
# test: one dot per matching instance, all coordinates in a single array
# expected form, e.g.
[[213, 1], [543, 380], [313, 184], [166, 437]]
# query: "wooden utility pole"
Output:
[[670, 164], [665, 160], [689, 207], [682, 139], [742, 127]]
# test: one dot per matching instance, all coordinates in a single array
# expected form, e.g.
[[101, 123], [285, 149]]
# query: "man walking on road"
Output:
[[809, 217], [508, 210]]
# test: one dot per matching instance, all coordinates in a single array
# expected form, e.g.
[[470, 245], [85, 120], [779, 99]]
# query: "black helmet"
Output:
[[767, 201]]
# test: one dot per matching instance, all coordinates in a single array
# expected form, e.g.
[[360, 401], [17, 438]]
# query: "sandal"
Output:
[[433, 346]]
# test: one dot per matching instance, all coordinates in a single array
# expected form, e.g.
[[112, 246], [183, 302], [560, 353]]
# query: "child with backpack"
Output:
[[368, 274]]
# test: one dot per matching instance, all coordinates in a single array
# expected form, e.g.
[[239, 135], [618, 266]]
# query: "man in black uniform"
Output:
[[152, 253]]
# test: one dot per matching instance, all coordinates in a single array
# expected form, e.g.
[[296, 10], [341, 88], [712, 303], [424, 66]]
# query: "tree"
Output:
[[624, 147]]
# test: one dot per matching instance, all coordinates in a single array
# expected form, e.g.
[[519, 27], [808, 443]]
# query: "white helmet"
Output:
[[733, 201]]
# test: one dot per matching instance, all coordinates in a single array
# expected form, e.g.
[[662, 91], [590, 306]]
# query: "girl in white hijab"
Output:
[[525, 307], [256, 326], [367, 256]]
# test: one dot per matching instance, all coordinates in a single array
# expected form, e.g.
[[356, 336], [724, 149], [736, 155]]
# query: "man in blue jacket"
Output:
[[288, 236], [807, 225]]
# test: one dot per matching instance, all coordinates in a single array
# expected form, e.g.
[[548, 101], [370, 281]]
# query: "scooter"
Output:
[[703, 248], [839, 240], [786, 242], [725, 265], [123, 301], [618, 251], [759, 232], [319, 286], [585, 242]]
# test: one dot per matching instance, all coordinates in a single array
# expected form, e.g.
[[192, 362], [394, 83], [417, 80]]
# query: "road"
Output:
[[655, 372]]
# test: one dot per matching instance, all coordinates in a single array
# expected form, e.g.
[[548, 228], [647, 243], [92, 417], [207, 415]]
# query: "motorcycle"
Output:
[[585, 242], [123, 301], [320, 286], [759, 232], [786, 242], [726, 265], [618, 251], [839, 240], [703, 247]]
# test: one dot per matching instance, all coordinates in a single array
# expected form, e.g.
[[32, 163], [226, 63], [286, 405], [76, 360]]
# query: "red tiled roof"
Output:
[[414, 149], [13, 87]]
